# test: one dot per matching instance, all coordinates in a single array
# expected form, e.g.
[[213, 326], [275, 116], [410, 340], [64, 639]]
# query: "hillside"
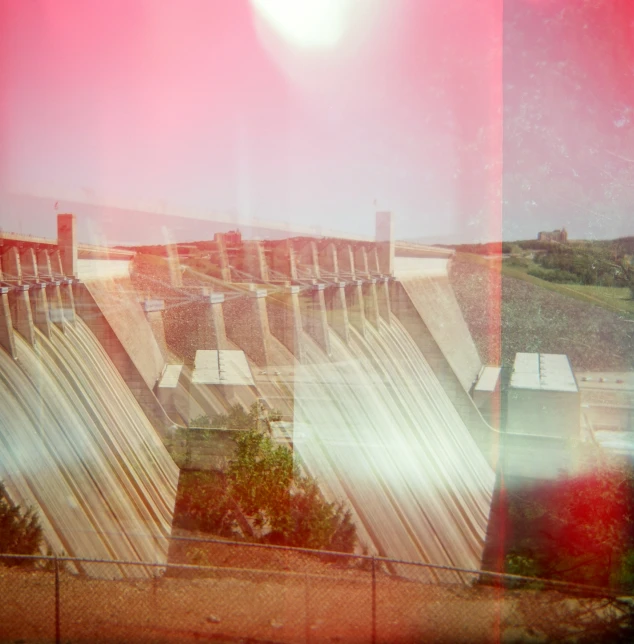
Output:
[[536, 319]]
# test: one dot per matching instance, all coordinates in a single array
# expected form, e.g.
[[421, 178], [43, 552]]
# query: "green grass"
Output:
[[615, 299]]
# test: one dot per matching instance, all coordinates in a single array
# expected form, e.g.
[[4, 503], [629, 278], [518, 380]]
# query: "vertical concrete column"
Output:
[[11, 266], [44, 265], [373, 261], [385, 242], [361, 262], [284, 259], [308, 260], [328, 259], [355, 306], [68, 300], [371, 302], [337, 310], [7, 340], [56, 264], [39, 308], [153, 310], [216, 301], [314, 315], [383, 298], [29, 265], [247, 324], [55, 306], [345, 258], [67, 243], [285, 319], [223, 257], [254, 260], [21, 313]]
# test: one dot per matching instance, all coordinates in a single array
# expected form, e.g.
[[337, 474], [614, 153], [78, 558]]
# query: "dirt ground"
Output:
[[230, 604]]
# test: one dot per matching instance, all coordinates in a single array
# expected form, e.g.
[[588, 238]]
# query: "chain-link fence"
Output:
[[241, 592]]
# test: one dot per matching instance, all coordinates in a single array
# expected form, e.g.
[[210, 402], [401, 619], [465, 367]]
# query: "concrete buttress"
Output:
[[247, 324], [355, 305], [337, 310], [285, 319], [314, 315], [6, 326]]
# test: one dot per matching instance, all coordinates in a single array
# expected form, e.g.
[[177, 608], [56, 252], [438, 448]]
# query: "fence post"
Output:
[[57, 625], [306, 604], [373, 600]]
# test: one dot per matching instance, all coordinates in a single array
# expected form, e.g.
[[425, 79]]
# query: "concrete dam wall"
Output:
[[75, 445], [363, 351]]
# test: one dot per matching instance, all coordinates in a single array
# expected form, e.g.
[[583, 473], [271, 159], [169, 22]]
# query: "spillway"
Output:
[[375, 426], [77, 447]]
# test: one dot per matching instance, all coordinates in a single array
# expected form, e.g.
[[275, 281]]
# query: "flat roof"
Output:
[[489, 378], [543, 372], [224, 367], [620, 381], [171, 376]]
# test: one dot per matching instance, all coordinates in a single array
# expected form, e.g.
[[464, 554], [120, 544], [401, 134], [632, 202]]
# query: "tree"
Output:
[[20, 530], [577, 529], [283, 505]]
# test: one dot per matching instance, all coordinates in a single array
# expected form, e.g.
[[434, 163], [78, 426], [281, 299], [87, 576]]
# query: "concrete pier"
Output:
[[361, 262], [371, 302], [345, 259], [21, 314], [68, 300], [153, 310], [314, 315], [254, 261], [29, 265], [247, 324], [7, 340], [197, 325], [56, 264], [44, 265], [338, 310], [383, 298], [11, 266], [39, 308], [284, 260], [285, 319], [308, 260], [355, 305], [55, 306], [328, 259]]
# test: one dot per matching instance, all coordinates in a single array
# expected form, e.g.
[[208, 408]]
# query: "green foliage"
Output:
[[20, 530], [260, 478], [237, 418], [263, 497], [516, 564], [579, 529], [203, 504], [558, 276]]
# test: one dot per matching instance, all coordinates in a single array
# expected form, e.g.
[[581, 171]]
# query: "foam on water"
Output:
[[375, 427], [76, 446]]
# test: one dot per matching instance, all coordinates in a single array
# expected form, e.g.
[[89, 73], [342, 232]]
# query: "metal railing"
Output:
[[230, 591]]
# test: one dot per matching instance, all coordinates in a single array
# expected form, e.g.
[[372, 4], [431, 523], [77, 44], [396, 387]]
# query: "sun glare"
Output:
[[310, 24]]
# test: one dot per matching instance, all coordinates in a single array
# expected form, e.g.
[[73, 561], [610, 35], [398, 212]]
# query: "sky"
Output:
[[150, 119], [205, 106]]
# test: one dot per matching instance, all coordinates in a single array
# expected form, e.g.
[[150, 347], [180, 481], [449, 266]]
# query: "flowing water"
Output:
[[375, 427], [76, 446]]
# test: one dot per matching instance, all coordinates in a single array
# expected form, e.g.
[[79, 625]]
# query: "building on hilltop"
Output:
[[558, 236]]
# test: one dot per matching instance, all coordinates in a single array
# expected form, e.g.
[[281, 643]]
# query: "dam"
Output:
[[359, 344]]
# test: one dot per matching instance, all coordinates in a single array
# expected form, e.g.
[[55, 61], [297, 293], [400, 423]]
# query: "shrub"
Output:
[[20, 530]]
